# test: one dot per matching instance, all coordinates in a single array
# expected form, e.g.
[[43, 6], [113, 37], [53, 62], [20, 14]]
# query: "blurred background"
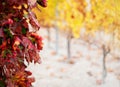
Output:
[[81, 44]]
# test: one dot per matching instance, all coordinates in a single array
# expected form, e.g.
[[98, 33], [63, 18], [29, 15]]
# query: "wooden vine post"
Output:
[[69, 38], [105, 53]]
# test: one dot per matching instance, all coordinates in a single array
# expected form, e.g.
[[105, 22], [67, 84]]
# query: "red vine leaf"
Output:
[[33, 20]]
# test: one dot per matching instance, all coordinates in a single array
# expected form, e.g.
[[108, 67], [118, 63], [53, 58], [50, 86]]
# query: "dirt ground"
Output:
[[83, 69]]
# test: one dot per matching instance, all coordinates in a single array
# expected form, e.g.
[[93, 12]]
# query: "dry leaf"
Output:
[[71, 61], [52, 74], [88, 57], [110, 70], [48, 67], [62, 59], [89, 73], [98, 82], [53, 53], [62, 69], [118, 77]]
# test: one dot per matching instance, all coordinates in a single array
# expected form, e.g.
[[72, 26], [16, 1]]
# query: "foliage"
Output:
[[71, 15], [47, 19], [17, 44], [66, 15]]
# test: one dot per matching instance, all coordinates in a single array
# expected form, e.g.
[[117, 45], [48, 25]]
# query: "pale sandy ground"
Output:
[[84, 69]]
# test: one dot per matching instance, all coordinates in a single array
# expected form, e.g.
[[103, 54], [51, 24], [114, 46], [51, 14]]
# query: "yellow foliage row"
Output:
[[73, 14]]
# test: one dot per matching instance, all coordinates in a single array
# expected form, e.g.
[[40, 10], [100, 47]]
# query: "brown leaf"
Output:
[[62, 69], [110, 70], [71, 61], [118, 77], [48, 67], [98, 82], [89, 73], [53, 53], [52, 74]]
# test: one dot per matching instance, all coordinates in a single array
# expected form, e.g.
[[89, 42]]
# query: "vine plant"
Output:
[[17, 43]]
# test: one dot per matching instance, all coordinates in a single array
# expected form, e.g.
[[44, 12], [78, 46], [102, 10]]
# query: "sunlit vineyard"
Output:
[[80, 48], [80, 31]]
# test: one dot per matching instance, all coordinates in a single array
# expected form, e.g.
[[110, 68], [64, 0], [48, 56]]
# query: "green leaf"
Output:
[[7, 32], [24, 30], [32, 39], [2, 84], [16, 19], [21, 47], [7, 51]]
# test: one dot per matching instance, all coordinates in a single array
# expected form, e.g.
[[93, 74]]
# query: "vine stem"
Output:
[[48, 32], [57, 40], [69, 44], [105, 52]]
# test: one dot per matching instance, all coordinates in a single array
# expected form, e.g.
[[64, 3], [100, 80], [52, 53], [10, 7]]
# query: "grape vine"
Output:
[[17, 44]]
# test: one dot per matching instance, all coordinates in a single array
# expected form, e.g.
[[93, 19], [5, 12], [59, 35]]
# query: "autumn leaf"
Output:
[[16, 44], [43, 3]]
